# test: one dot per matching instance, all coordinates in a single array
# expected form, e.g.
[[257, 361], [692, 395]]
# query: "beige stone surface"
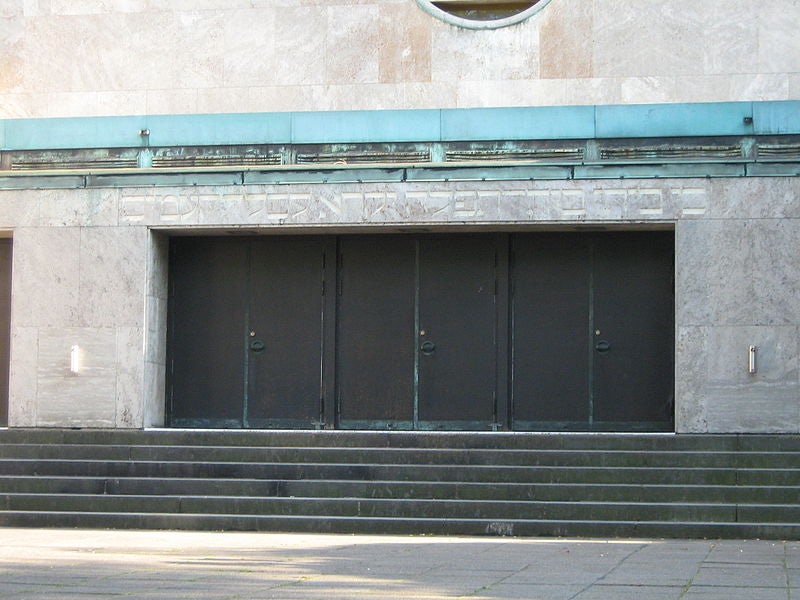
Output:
[[566, 40], [97, 277], [97, 57], [85, 399]]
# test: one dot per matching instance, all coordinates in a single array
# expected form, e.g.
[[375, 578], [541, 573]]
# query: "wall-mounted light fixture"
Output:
[[752, 367], [75, 359]]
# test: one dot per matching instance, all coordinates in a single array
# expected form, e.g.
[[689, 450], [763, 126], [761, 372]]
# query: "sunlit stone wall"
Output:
[[89, 269], [97, 57]]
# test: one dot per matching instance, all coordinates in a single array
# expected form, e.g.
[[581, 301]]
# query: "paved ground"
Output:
[[79, 564]]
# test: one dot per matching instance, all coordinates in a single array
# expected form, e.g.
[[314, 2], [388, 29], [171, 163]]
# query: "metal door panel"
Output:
[[593, 331], [550, 331], [457, 331], [5, 326], [284, 340], [375, 334], [634, 328], [206, 332]]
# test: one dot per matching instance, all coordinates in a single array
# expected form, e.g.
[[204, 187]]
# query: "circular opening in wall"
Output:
[[482, 14]]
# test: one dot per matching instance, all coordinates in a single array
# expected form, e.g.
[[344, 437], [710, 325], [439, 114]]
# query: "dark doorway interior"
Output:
[[527, 331]]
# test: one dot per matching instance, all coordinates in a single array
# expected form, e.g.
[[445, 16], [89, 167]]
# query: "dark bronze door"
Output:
[[592, 331], [457, 339], [285, 333], [245, 332], [375, 356], [416, 338], [5, 326]]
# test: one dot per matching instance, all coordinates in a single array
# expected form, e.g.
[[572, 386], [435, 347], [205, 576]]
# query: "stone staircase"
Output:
[[593, 485]]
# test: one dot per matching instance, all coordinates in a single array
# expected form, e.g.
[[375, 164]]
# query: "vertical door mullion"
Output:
[[330, 285], [592, 331], [417, 333], [248, 284], [502, 320]]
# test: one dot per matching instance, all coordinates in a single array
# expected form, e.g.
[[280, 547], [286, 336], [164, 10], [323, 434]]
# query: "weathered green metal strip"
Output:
[[180, 178], [774, 170], [437, 125], [674, 120], [322, 175], [483, 173], [659, 171], [366, 126], [384, 174], [776, 118], [542, 123], [41, 182]]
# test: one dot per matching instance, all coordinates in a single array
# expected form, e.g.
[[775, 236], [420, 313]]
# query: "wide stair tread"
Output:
[[500, 484]]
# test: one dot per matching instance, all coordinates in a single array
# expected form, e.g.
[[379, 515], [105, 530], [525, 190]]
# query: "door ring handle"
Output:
[[257, 346], [427, 347], [603, 346]]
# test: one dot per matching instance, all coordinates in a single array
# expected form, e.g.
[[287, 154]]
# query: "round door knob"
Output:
[[603, 346], [427, 347], [257, 346]]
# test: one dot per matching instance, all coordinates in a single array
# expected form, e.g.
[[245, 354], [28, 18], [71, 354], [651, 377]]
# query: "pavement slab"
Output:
[[70, 564]]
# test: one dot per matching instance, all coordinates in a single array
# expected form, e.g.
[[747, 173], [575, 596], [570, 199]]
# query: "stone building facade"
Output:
[[128, 126]]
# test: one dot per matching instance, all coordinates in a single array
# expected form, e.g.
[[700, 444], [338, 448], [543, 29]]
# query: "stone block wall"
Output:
[[92, 57], [90, 269]]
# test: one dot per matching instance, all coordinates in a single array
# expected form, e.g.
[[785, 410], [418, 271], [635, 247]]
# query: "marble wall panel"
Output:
[[19, 208], [85, 399], [691, 344], [648, 38], [776, 271], [730, 36], [433, 94], [112, 284], [518, 92], [715, 280], [566, 40], [352, 45], [794, 85], [129, 377], [95, 64], [738, 272], [46, 279], [177, 102], [404, 43], [154, 401], [715, 391], [93, 7], [778, 42], [11, 43], [301, 46], [249, 42], [257, 55], [11, 8], [500, 54], [22, 387], [89, 208], [755, 198], [760, 86]]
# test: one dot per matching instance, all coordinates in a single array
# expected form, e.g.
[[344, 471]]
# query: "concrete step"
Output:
[[402, 526], [397, 439], [326, 488], [409, 482], [403, 472], [408, 508], [408, 456]]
